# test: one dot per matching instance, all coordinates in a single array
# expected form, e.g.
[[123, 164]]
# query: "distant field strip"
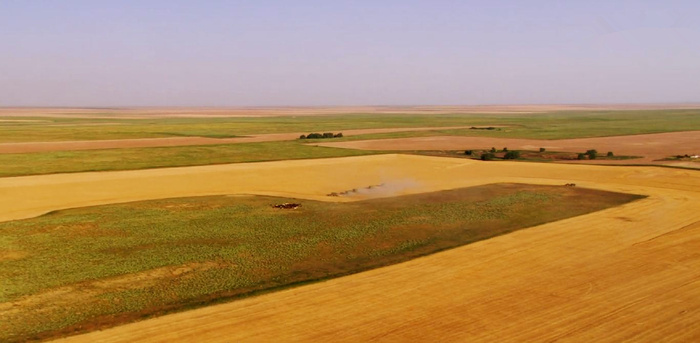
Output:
[[29, 196], [653, 146], [626, 273], [53, 162], [562, 124], [32, 147]]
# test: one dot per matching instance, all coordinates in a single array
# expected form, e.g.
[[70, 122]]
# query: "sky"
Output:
[[335, 52]]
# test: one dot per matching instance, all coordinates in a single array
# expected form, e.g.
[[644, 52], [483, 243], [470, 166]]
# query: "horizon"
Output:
[[671, 105]]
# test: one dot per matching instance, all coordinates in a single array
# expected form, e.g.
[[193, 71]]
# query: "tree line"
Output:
[[315, 135]]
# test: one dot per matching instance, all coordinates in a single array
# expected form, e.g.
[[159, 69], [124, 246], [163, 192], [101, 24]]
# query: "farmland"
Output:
[[148, 158], [37, 126], [107, 141], [581, 278], [149, 257], [112, 216]]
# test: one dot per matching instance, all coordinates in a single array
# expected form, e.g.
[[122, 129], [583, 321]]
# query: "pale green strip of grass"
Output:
[[145, 158]]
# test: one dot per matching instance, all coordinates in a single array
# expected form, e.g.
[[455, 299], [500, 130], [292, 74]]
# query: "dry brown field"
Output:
[[652, 147], [626, 273]]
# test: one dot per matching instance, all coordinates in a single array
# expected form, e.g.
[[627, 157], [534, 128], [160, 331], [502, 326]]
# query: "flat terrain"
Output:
[[652, 147], [30, 147], [622, 273], [91, 267], [45, 143], [44, 127]]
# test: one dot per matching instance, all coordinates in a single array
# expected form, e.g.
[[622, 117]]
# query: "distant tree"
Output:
[[493, 149], [610, 154], [302, 137], [542, 149], [487, 156], [338, 135], [512, 155], [505, 150], [582, 156], [592, 154], [468, 152], [314, 135], [328, 135]]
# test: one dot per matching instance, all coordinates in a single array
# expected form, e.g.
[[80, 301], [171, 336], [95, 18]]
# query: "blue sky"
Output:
[[277, 53]]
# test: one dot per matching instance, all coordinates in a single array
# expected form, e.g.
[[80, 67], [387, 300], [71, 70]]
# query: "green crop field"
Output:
[[79, 269]]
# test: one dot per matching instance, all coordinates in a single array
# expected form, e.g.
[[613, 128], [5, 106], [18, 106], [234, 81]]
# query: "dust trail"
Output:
[[385, 189]]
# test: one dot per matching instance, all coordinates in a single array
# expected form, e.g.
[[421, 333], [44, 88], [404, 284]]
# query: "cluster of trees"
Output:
[[487, 156], [491, 154], [592, 154], [321, 135], [510, 155]]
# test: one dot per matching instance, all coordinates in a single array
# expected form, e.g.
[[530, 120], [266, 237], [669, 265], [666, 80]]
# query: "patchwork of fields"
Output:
[[623, 273], [628, 272], [653, 147], [90, 267]]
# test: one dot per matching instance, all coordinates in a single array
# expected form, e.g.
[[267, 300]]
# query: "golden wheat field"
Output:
[[626, 273]]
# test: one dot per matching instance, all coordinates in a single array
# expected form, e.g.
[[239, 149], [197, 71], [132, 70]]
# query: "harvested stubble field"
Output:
[[80, 269], [622, 273]]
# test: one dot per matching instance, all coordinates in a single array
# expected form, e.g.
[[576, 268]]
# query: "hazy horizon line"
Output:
[[671, 103]]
